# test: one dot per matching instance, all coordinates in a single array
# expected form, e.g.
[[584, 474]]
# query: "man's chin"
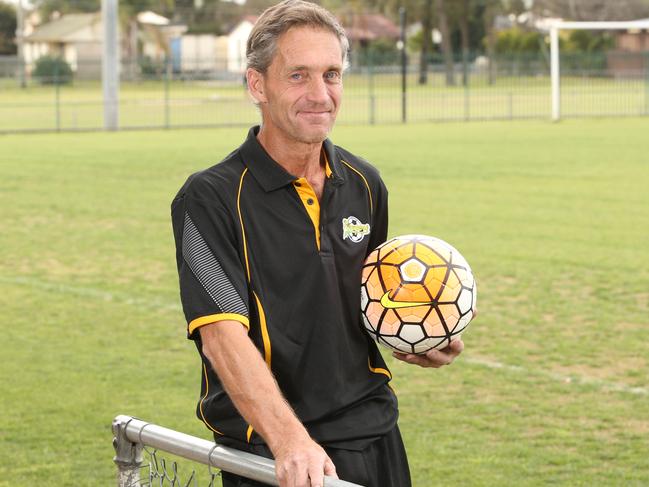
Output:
[[314, 134]]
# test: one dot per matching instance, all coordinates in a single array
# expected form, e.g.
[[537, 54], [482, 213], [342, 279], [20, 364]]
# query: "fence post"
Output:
[[467, 101], [370, 74], [128, 455], [404, 62], [57, 97], [646, 84], [167, 75]]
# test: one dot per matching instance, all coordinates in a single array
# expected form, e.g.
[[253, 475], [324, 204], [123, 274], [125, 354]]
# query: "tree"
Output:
[[462, 14], [465, 15], [492, 8], [7, 29], [426, 41], [447, 47]]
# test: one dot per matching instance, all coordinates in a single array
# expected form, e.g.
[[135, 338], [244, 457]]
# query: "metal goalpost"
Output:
[[132, 436], [554, 51]]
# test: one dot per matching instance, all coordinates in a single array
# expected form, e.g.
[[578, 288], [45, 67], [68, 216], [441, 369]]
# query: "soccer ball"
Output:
[[417, 293]]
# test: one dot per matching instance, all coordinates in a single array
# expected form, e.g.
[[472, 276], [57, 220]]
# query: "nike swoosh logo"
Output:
[[386, 302]]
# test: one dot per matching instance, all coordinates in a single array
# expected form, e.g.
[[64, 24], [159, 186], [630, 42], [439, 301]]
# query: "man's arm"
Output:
[[255, 393]]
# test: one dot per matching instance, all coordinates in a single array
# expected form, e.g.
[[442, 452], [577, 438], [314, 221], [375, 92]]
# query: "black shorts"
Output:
[[382, 463]]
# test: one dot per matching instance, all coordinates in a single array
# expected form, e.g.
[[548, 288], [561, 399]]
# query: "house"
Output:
[[208, 53], [631, 54], [237, 39], [74, 37], [362, 29], [199, 53], [77, 38]]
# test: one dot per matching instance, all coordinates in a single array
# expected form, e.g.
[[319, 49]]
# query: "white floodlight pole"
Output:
[[20, 42], [110, 64], [555, 73]]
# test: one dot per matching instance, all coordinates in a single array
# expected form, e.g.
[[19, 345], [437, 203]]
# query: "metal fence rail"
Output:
[[131, 435], [155, 95]]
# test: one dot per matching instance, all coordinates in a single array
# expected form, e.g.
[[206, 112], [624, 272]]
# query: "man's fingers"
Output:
[[301, 476], [457, 345], [439, 357], [433, 358], [330, 468], [317, 471], [316, 475], [304, 466]]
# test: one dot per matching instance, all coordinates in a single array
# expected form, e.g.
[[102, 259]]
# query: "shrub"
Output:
[[52, 70]]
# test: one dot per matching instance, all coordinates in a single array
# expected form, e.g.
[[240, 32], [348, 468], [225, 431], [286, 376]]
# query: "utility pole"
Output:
[[20, 34], [110, 65]]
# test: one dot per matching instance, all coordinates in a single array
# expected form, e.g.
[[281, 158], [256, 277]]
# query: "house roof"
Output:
[[368, 27], [60, 29], [152, 18]]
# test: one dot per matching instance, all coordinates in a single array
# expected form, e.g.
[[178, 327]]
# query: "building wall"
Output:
[[237, 40], [201, 53], [637, 42]]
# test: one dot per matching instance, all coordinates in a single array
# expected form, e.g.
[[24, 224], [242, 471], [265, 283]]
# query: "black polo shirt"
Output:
[[255, 245]]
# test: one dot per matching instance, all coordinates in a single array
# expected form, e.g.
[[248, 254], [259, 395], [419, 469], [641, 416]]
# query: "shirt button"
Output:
[[309, 201]]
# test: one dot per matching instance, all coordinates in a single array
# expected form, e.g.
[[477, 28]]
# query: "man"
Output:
[[271, 287]]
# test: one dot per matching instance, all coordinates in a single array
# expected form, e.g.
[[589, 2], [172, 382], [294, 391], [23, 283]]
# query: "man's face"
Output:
[[302, 88]]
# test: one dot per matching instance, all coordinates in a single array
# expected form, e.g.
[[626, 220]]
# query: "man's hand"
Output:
[[433, 358], [302, 463]]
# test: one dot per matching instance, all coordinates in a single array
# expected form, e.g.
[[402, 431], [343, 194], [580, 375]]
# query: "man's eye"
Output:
[[296, 76], [332, 75]]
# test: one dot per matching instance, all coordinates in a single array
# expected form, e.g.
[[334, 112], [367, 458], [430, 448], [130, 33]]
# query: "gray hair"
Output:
[[276, 20]]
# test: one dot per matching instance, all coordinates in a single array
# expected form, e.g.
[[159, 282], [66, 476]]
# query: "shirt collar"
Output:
[[270, 174]]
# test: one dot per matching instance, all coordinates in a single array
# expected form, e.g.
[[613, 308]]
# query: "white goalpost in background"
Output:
[[555, 54]]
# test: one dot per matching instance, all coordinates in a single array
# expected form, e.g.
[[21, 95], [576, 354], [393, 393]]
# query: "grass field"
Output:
[[553, 387]]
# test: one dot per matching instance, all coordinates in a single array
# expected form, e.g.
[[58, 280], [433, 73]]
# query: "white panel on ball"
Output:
[[425, 345], [367, 323], [463, 323], [412, 333], [465, 301], [397, 344], [364, 298]]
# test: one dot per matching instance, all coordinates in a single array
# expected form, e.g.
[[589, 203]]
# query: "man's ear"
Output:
[[256, 87]]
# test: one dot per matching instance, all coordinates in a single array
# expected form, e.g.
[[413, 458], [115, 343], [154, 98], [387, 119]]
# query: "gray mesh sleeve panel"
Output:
[[209, 272]]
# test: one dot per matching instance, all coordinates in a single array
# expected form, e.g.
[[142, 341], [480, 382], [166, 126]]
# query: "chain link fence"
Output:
[[160, 95]]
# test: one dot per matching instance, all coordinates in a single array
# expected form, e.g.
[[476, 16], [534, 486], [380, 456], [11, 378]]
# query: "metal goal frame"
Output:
[[132, 435]]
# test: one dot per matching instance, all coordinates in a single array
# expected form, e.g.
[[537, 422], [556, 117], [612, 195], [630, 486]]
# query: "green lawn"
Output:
[[553, 387]]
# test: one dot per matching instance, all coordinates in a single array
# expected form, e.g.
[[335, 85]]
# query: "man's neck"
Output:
[[298, 158]]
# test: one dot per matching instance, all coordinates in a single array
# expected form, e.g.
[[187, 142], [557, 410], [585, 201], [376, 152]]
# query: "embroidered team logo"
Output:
[[354, 230]]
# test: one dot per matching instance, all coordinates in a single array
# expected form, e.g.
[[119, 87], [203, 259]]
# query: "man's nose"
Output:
[[318, 92]]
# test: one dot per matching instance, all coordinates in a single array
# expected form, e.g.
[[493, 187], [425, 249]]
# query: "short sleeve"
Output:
[[213, 285]]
